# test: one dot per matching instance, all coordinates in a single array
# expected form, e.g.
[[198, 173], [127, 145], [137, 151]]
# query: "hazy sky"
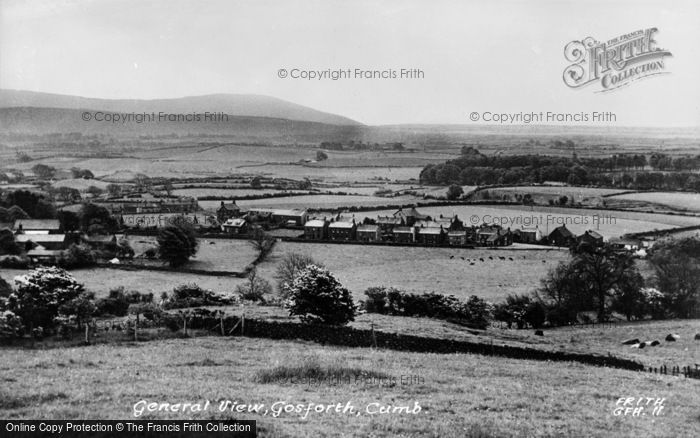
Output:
[[500, 56]]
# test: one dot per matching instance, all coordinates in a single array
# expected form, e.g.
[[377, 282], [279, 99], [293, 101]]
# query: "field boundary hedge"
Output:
[[136, 267], [360, 338]]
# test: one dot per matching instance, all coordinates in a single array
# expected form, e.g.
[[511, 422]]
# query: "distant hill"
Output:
[[246, 105]]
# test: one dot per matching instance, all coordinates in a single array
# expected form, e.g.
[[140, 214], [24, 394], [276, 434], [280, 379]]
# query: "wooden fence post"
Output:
[[221, 322], [87, 334], [242, 323]]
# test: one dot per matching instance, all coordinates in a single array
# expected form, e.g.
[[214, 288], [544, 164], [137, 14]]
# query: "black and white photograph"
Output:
[[333, 218]]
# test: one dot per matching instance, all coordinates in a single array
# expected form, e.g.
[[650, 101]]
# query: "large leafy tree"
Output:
[[677, 266], [316, 296], [604, 274], [177, 243], [39, 295]]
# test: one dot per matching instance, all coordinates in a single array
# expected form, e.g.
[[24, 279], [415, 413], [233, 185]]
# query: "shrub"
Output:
[[255, 288], [40, 294], [317, 296], [77, 256], [191, 295], [116, 303], [288, 268]]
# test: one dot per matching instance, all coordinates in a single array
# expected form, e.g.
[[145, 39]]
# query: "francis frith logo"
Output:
[[614, 63]]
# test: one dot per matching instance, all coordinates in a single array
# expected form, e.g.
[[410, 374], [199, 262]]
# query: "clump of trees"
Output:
[[474, 312], [316, 296], [677, 267], [255, 288], [475, 168], [177, 243]]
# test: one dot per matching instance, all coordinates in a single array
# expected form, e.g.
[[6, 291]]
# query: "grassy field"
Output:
[[419, 270], [675, 200], [459, 395], [542, 194], [316, 201]]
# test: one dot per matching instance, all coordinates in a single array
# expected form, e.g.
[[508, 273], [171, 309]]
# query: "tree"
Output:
[[168, 187], [67, 194], [95, 191], [454, 192], [7, 243], [677, 267], [69, 221], [604, 274], [256, 182], [289, 268], [316, 296], [82, 308], [255, 288], [40, 294], [43, 171], [262, 243], [176, 244], [97, 220], [114, 190], [321, 156]]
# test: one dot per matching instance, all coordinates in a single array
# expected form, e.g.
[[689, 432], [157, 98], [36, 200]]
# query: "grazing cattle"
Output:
[[451, 257], [471, 264], [655, 342], [490, 258], [672, 337], [510, 258], [501, 258], [642, 344], [697, 336], [462, 258], [480, 259], [634, 346], [539, 333], [544, 261], [631, 341]]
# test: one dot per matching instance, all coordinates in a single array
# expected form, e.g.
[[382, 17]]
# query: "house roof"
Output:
[[403, 230], [497, 235], [388, 220], [37, 252], [344, 225], [563, 231], [411, 212], [457, 233], [234, 222], [40, 238], [37, 224], [593, 234], [367, 228], [315, 223], [294, 212], [431, 230]]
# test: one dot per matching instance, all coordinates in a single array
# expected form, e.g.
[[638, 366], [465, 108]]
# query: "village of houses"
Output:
[[43, 239]]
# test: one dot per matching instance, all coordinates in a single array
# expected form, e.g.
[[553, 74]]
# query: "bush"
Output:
[[288, 268], [40, 294], [255, 288], [118, 301], [316, 296], [191, 295], [14, 262], [77, 256]]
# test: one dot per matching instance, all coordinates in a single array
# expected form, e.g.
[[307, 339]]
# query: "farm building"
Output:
[[37, 226], [500, 238], [294, 218], [368, 233], [431, 235], [483, 234], [150, 204], [561, 236], [316, 229], [52, 242], [387, 224], [228, 211], [624, 243], [457, 238], [590, 237], [527, 235], [342, 230], [404, 234], [410, 216], [235, 226]]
